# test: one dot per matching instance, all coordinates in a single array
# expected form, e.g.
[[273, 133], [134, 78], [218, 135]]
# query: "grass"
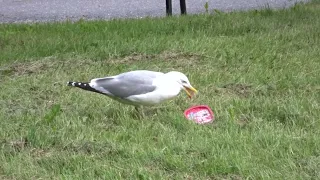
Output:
[[257, 70]]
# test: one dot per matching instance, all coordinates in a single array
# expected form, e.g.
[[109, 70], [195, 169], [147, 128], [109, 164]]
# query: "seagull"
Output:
[[140, 87]]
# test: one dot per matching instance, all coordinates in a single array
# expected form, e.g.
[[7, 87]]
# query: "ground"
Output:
[[60, 10], [257, 70]]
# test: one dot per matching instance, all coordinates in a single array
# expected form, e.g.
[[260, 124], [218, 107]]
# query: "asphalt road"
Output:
[[58, 10]]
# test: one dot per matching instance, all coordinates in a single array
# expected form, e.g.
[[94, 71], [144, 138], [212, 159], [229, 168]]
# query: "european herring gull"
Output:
[[139, 87]]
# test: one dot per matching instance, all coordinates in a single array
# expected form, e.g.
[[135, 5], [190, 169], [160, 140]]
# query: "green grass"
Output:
[[257, 70]]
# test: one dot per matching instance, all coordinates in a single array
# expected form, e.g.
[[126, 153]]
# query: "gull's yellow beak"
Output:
[[190, 91]]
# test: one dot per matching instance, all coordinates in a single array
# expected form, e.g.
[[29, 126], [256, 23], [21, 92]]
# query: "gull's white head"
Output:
[[183, 82]]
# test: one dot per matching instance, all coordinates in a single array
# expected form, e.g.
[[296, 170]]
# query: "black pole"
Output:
[[183, 7], [169, 7]]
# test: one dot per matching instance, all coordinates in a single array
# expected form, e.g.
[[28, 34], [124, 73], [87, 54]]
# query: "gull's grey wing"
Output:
[[126, 84]]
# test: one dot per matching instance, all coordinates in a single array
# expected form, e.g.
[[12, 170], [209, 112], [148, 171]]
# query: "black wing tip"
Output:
[[83, 85], [70, 83], [78, 84]]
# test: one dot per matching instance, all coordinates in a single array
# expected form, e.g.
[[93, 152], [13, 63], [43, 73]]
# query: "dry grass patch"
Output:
[[173, 57], [50, 63]]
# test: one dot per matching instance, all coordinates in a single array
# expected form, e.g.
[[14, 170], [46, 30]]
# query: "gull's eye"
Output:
[[184, 82]]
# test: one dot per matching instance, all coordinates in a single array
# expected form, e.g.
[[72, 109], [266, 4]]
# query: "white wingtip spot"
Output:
[[79, 84], [73, 84]]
